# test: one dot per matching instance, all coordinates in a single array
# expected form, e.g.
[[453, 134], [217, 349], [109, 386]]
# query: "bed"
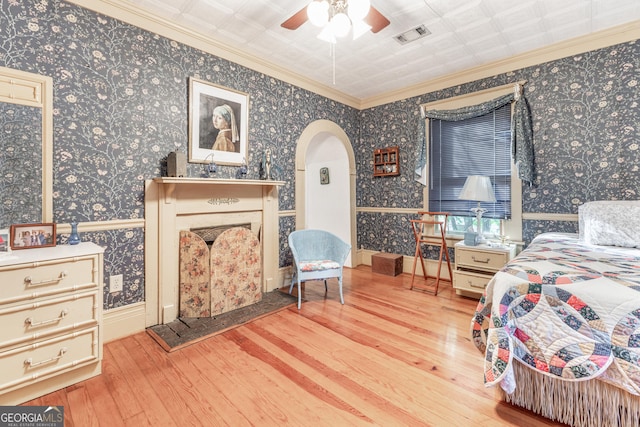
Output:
[[559, 325]]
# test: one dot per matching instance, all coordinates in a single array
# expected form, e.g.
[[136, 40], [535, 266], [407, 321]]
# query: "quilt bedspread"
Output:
[[566, 309]]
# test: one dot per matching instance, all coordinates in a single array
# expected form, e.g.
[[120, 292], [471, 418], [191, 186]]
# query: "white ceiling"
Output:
[[464, 34]]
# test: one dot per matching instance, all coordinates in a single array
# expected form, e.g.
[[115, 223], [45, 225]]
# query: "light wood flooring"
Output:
[[387, 357]]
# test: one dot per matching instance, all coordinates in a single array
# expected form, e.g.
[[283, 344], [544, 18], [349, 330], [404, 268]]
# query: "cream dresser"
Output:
[[51, 317]]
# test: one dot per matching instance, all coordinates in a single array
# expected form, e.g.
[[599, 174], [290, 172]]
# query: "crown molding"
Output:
[[598, 40], [126, 12]]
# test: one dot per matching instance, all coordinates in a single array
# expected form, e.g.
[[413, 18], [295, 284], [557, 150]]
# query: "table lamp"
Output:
[[478, 188]]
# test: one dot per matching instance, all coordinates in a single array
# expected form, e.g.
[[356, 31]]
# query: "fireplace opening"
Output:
[[210, 234]]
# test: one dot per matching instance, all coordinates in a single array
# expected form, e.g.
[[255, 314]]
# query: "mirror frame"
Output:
[[35, 90]]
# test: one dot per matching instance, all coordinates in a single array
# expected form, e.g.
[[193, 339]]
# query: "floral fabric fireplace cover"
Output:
[[221, 279]]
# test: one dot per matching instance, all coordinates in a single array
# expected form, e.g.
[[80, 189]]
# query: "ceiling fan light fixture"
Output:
[[340, 24], [327, 35], [318, 13], [359, 28], [358, 9]]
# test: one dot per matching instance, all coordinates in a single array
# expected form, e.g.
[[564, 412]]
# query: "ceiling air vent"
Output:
[[412, 34]]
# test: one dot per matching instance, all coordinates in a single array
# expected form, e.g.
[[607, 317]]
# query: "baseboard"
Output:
[[123, 321]]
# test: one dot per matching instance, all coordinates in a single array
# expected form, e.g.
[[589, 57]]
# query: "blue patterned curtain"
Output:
[[521, 134]]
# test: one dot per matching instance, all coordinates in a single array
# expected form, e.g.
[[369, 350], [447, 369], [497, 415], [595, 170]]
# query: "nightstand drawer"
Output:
[[481, 260], [473, 282]]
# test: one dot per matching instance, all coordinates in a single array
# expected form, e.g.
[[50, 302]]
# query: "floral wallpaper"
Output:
[[585, 112], [120, 106]]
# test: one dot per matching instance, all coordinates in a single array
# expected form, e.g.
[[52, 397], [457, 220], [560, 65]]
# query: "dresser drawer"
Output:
[[469, 281], [27, 282], [35, 321], [29, 364], [481, 260]]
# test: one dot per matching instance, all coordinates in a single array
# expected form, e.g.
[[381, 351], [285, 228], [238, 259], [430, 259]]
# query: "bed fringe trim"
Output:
[[576, 403]]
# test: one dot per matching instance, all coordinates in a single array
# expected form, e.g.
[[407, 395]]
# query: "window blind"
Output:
[[476, 146]]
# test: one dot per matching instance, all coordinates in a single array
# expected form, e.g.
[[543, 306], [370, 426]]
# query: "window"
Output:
[[476, 146]]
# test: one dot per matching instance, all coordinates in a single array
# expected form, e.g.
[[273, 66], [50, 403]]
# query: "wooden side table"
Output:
[[476, 265]]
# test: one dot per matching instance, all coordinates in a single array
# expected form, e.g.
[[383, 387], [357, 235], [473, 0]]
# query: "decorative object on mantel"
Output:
[[265, 165], [176, 164], [241, 173], [210, 166], [74, 237]]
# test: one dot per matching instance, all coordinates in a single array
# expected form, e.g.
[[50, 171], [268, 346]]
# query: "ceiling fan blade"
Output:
[[376, 20], [297, 19]]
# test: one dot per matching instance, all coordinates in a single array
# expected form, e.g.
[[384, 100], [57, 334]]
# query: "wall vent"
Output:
[[412, 35]]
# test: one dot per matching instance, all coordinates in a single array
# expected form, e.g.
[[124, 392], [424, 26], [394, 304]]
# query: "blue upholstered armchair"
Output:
[[317, 255]]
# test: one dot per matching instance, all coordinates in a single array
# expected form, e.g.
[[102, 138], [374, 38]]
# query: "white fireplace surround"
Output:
[[174, 204]]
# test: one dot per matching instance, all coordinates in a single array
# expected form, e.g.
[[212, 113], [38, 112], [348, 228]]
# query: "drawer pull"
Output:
[[28, 282], [31, 364], [29, 320], [473, 285], [486, 261]]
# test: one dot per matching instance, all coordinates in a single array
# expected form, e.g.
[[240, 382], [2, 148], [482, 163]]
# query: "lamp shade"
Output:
[[477, 188]]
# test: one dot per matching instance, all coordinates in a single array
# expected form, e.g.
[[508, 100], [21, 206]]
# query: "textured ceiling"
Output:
[[464, 34]]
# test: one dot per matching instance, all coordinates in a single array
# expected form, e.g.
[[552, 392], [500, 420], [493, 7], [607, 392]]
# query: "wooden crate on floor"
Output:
[[385, 263]]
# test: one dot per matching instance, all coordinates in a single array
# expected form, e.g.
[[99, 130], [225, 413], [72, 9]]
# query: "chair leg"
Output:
[[340, 287], [299, 294], [325, 286], [293, 276]]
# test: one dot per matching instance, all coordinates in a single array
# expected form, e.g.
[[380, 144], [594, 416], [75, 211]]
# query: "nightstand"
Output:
[[476, 265]]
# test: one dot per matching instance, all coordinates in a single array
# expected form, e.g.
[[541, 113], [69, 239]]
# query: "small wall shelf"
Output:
[[386, 161]]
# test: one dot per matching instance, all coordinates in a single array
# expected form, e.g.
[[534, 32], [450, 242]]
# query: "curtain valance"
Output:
[[521, 132]]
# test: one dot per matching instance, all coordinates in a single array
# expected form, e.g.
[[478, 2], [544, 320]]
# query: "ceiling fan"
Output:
[[334, 8]]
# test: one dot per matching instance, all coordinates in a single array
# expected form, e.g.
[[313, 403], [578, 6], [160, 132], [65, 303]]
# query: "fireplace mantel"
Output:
[[172, 204]]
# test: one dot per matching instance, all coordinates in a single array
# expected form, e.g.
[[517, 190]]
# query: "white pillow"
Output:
[[610, 223]]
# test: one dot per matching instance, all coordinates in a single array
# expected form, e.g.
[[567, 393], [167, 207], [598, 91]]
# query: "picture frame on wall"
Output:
[[218, 124], [324, 176], [29, 236]]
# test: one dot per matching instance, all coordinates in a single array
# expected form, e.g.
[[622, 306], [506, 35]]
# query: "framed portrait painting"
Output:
[[218, 124], [27, 236]]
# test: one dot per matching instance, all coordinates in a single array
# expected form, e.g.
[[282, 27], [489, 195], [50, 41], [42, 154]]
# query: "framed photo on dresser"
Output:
[[5, 246], [28, 236]]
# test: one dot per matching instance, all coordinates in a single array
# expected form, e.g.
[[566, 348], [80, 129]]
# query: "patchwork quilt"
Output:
[[566, 309]]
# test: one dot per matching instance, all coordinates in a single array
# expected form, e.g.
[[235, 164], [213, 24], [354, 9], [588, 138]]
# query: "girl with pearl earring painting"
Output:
[[224, 120]]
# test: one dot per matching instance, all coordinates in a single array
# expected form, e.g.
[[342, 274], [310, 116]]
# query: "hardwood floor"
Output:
[[388, 357]]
